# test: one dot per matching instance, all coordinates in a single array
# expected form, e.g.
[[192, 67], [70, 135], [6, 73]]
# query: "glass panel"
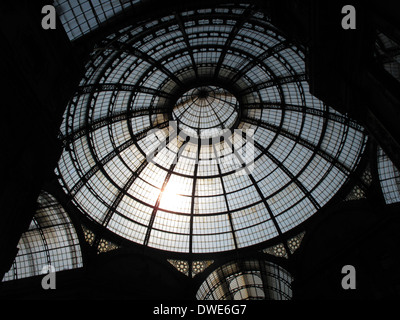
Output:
[[196, 132]]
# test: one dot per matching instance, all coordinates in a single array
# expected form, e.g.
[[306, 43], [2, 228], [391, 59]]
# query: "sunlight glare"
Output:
[[170, 197]]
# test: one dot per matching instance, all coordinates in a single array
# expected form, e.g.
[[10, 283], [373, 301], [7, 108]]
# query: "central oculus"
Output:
[[206, 111]]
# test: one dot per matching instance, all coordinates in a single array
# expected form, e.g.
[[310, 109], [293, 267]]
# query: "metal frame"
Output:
[[111, 53]]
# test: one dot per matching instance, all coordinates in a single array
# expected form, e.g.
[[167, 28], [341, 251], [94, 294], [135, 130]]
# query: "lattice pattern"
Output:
[[89, 235], [122, 167], [181, 266], [200, 266], [50, 240], [389, 177], [205, 111], [79, 17], [356, 193], [247, 280], [106, 246], [388, 53], [280, 250], [196, 266], [277, 250], [295, 242]]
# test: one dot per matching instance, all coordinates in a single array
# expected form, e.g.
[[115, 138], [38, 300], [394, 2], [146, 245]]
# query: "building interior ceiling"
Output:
[[211, 150]]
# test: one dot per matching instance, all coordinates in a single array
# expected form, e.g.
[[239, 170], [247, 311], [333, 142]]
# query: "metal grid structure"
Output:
[[81, 17], [203, 112], [191, 197], [247, 280], [389, 178], [51, 240], [387, 53]]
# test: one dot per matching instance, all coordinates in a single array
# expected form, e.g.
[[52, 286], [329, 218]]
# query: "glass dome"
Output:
[[50, 241], [205, 111], [247, 280], [195, 132]]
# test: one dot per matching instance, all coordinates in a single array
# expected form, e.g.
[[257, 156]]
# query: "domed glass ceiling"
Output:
[[206, 111], [196, 132], [247, 280]]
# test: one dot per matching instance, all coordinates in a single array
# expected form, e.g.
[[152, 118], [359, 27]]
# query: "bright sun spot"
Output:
[[170, 196]]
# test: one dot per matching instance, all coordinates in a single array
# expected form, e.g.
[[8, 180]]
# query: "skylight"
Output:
[[282, 157]]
